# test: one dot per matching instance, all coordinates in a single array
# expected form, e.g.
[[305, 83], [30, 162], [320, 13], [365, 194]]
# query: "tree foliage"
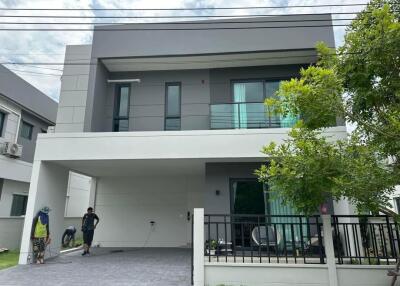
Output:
[[359, 83]]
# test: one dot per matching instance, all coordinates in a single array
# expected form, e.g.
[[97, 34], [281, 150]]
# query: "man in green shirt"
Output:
[[40, 234]]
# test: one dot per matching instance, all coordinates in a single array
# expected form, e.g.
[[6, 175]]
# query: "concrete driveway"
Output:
[[107, 266]]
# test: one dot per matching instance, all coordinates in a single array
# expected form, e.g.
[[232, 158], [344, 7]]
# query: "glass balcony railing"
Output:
[[247, 116]]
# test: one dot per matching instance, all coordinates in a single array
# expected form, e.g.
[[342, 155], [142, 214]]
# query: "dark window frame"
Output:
[[166, 117], [1, 187], [3, 117], [31, 126], [249, 80], [117, 101], [25, 202], [397, 204]]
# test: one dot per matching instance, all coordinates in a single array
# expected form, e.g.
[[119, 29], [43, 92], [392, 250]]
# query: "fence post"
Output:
[[198, 247], [329, 250]]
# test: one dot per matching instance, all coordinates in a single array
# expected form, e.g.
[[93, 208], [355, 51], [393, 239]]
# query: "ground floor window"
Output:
[[18, 207]]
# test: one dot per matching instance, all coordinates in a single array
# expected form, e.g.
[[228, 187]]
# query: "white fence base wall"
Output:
[[246, 274], [242, 274]]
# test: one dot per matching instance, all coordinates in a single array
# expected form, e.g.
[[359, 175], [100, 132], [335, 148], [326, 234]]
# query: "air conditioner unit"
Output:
[[13, 150]]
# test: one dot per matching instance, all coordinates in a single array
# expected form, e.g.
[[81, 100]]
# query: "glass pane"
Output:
[[2, 117], [247, 198], [26, 130], [173, 101], [254, 117], [124, 101], [18, 207], [223, 116], [121, 125], [271, 88], [248, 91], [172, 124]]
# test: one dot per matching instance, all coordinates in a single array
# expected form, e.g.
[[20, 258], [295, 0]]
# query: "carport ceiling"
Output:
[[210, 61], [117, 168]]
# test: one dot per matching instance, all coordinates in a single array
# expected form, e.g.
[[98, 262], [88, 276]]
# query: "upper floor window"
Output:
[[248, 110], [173, 106], [121, 108], [2, 120], [254, 90], [26, 130]]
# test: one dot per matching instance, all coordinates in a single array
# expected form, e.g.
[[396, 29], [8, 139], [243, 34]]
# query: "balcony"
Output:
[[247, 115]]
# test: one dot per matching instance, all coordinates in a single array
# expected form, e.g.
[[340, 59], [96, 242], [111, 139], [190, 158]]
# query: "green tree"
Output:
[[360, 83]]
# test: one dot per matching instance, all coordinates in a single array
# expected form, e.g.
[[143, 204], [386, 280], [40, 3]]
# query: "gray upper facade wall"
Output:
[[212, 85], [199, 89], [238, 38]]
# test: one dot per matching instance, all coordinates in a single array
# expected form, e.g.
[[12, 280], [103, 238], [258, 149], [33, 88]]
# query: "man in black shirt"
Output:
[[88, 227]]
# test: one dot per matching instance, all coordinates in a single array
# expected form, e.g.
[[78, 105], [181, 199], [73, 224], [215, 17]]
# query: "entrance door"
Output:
[[247, 198]]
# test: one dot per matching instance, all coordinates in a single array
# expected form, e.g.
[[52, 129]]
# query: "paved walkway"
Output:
[[107, 266]]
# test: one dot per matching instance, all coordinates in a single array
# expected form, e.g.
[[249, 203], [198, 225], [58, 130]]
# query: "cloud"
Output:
[[31, 46]]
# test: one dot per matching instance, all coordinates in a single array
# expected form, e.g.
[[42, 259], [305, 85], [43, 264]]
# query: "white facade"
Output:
[[137, 182]]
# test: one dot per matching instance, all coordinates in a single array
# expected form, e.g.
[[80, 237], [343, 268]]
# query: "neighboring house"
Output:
[[24, 113]]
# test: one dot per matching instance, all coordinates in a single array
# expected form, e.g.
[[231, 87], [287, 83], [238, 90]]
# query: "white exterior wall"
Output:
[[11, 232], [126, 205], [242, 274], [74, 86], [48, 188], [11, 188], [78, 195]]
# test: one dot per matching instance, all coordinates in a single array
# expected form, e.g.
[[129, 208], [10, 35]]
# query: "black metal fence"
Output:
[[357, 239], [264, 239], [365, 239]]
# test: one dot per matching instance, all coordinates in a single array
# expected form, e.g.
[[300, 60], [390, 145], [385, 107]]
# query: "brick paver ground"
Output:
[[107, 266]]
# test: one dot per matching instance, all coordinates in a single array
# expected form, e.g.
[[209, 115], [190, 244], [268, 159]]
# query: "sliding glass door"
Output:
[[249, 110]]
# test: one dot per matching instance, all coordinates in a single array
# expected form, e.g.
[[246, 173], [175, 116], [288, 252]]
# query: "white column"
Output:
[[92, 192], [198, 247], [329, 250], [48, 188]]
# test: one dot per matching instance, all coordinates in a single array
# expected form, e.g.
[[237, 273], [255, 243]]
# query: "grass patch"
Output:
[[78, 242], [8, 259]]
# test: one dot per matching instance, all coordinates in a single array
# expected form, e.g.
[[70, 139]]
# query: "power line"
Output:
[[170, 29], [174, 23], [174, 16], [184, 9]]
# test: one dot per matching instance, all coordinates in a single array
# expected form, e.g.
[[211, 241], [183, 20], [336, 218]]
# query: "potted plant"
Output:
[[211, 247]]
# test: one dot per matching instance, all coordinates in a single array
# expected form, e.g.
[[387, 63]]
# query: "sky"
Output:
[[40, 46]]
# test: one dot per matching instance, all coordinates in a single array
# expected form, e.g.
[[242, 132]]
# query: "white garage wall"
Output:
[[126, 205], [9, 189]]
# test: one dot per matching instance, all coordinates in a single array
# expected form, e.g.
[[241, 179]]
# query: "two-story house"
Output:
[[166, 117]]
